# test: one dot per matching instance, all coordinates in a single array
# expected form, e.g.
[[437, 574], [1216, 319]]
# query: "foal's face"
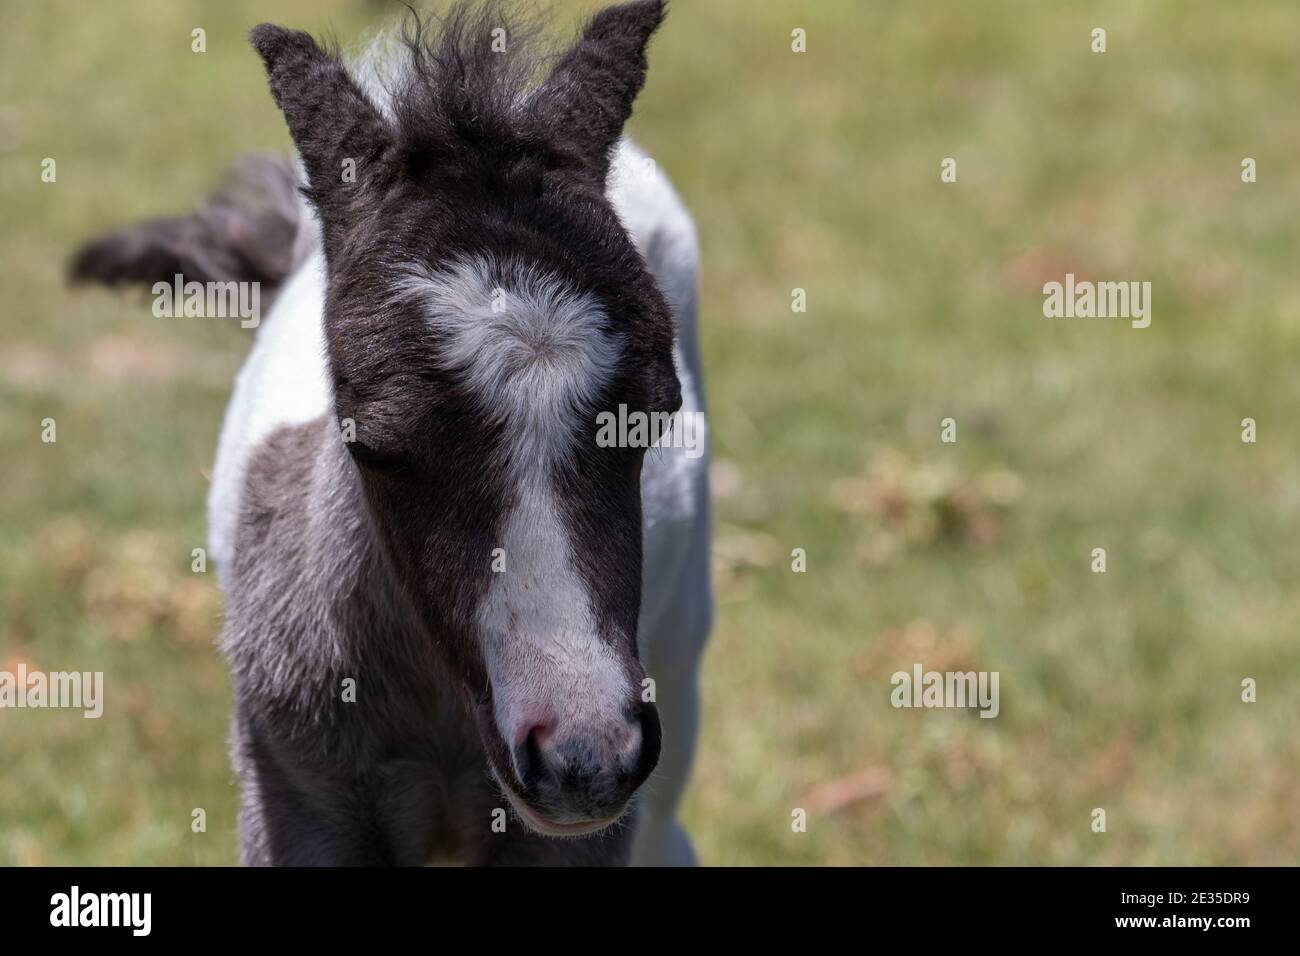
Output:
[[473, 390], [484, 305]]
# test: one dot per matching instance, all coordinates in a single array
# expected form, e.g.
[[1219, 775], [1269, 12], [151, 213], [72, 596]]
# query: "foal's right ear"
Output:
[[329, 118], [589, 95]]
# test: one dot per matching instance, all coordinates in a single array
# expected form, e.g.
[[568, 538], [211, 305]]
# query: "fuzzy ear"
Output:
[[329, 117], [589, 95]]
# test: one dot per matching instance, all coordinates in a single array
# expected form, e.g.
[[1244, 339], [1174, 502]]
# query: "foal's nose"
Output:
[[588, 773]]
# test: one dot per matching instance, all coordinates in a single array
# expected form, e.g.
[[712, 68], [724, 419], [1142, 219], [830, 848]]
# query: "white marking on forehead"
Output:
[[536, 354]]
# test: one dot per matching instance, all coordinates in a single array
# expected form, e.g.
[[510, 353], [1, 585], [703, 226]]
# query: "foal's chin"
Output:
[[555, 828]]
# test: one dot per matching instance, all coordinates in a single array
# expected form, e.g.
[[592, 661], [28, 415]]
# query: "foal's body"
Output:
[[308, 606]]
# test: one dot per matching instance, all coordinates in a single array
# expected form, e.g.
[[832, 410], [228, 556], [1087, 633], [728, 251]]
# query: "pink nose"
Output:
[[539, 745], [585, 770]]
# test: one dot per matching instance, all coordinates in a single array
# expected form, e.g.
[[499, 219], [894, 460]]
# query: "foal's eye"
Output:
[[375, 460]]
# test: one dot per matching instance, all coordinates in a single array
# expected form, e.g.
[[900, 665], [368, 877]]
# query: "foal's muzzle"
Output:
[[567, 783]]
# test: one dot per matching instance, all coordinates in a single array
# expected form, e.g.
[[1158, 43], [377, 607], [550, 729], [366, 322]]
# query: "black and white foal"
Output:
[[444, 598]]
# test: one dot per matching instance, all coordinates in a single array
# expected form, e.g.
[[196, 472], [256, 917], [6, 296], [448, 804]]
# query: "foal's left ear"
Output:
[[329, 118], [589, 95]]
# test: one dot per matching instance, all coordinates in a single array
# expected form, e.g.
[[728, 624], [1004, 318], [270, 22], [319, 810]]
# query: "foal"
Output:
[[445, 601]]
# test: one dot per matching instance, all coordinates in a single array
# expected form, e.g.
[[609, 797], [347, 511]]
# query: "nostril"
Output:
[[629, 749], [541, 733], [530, 764], [651, 737]]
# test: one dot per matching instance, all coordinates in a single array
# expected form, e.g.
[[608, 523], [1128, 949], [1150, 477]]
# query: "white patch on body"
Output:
[[284, 381]]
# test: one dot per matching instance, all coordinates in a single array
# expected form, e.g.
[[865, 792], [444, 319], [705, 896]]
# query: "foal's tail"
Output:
[[244, 232]]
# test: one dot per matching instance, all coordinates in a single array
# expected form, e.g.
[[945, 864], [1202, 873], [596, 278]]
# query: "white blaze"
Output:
[[536, 355]]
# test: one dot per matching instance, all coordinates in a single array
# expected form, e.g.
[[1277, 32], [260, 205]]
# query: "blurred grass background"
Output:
[[818, 171]]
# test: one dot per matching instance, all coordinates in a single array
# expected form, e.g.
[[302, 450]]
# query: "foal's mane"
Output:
[[460, 78]]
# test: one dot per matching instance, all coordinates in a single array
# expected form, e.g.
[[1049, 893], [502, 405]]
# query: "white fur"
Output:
[[284, 381], [677, 597], [535, 354]]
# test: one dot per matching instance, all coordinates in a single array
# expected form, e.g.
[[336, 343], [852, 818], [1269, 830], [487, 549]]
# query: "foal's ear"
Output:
[[329, 118], [589, 95]]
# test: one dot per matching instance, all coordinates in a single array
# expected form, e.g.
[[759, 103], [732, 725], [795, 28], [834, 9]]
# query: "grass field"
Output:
[[818, 171]]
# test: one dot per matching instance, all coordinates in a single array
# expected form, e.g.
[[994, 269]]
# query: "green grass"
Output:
[[818, 171]]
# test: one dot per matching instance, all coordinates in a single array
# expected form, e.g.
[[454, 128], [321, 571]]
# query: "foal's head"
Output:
[[484, 303]]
